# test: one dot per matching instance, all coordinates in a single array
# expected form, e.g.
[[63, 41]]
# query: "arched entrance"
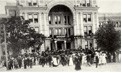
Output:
[[60, 20]]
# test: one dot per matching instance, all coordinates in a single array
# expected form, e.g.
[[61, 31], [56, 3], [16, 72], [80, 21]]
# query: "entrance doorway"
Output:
[[60, 45], [68, 45]]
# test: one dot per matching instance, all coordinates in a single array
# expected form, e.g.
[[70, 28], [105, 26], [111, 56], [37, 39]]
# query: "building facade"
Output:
[[67, 24]]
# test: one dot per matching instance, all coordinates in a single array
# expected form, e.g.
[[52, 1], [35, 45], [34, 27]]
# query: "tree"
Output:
[[107, 38], [20, 35]]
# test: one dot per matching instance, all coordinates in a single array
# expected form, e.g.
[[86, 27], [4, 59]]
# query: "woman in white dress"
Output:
[[83, 58], [70, 60], [103, 58], [55, 64], [100, 59]]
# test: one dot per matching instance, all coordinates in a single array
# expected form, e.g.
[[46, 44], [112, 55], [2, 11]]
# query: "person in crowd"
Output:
[[83, 58], [54, 61], [70, 60], [100, 58], [88, 58], [16, 65], [77, 63], [103, 58], [50, 60], [19, 59], [96, 58], [30, 62], [25, 62], [10, 63]]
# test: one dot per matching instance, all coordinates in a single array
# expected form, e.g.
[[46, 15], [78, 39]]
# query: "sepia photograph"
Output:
[[60, 35]]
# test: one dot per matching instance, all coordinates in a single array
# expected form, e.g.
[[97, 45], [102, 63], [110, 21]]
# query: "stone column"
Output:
[[97, 21], [77, 30], [55, 45], [42, 19], [65, 45], [40, 23], [93, 23], [82, 29], [26, 16]]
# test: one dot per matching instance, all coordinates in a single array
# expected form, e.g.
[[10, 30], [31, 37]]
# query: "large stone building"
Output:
[[67, 24]]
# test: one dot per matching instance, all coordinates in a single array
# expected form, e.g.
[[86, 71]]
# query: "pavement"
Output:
[[110, 67]]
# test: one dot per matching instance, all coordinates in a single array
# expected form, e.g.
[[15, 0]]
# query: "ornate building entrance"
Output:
[[61, 27]]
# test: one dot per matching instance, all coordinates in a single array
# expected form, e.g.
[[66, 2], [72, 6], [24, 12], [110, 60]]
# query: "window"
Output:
[[56, 31], [55, 18], [59, 19], [86, 44], [85, 18], [30, 17], [51, 32], [84, 2], [29, 3], [69, 32], [59, 31], [35, 18], [65, 20], [69, 20], [90, 30], [85, 30], [65, 31], [34, 2], [89, 17], [49, 19], [12, 12], [88, 3]]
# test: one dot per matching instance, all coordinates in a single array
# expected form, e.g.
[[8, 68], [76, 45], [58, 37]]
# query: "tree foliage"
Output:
[[20, 35], [107, 38]]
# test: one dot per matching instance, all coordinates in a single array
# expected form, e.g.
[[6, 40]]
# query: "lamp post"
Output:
[[6, 54]]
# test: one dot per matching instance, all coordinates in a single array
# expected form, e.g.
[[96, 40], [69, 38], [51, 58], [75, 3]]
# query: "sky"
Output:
[[106, 6]]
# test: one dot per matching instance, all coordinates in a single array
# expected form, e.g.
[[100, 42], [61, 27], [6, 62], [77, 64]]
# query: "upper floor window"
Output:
[[33, 17], [32, 2], [88, 3], [29, 2], [58, 31], [55, 18], [87, 17], [49, 18], [84, 2], [59, 19], [88, 30], [30, 17], [51, 31]]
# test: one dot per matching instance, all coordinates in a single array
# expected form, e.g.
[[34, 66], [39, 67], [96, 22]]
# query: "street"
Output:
[[110, 67]]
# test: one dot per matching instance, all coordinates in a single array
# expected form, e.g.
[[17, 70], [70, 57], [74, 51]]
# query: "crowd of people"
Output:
[[58, 57]]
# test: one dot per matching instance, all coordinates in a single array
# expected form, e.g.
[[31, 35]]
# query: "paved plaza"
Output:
[[110, 67]]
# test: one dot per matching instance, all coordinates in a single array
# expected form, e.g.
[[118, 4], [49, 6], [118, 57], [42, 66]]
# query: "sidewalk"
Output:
[[110, 67]]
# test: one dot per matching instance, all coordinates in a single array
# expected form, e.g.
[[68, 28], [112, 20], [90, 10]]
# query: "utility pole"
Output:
[[6, 54]]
